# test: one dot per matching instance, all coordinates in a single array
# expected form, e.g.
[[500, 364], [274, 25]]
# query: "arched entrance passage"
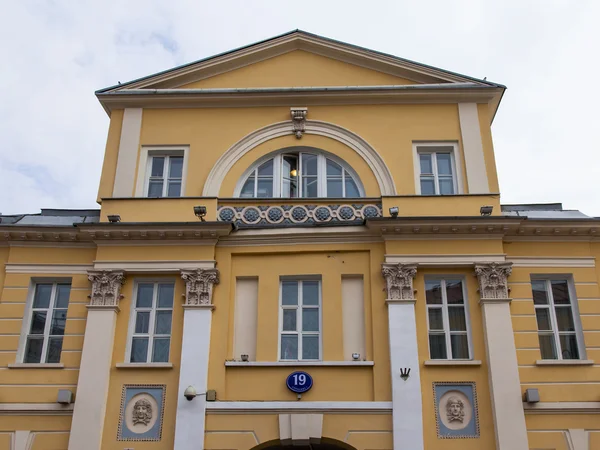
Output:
[[325, 444]]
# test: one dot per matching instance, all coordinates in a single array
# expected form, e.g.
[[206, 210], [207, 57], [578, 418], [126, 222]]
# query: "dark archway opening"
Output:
[[325, 444]]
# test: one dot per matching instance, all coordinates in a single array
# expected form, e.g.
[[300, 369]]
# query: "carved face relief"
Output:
[[142, 412], [455, 410]]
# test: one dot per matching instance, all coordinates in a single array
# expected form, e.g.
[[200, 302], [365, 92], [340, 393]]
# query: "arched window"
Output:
[[300, 174]]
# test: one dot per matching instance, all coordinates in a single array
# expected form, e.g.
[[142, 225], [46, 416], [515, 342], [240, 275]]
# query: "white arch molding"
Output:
[[316, 127]]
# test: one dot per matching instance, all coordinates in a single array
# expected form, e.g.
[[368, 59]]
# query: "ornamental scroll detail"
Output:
[[299, 121], [399, 281], [199, 286], [106, 287], [493, 280]]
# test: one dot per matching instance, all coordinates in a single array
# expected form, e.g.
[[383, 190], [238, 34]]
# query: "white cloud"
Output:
[[57, 53]]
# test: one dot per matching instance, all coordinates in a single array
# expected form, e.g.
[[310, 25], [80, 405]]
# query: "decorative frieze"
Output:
[[299, 120], [199, 286], [493, 280], [399, 281], [106, 287]]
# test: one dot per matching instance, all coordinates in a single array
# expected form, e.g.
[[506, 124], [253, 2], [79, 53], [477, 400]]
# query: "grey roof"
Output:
[[542, 211], [53, 217]]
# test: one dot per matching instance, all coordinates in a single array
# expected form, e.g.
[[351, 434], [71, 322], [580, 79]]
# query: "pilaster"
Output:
[[190, 420], [404, 356], [505, 388]]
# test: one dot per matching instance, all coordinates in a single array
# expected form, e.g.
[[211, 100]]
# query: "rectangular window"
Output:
[[558, 326], [46, 326], [447, 319], [300, 320], [165, 175], [437, 173], [150, 325]]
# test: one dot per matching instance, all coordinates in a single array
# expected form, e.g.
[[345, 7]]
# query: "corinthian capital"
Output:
[[399, 281], [199, 285], [493, 280], [106, 287]]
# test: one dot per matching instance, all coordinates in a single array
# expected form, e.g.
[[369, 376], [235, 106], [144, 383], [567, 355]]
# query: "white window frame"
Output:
[[278, 178], [28, 316], [548, 278], [151, 321], [444, 307], [144, 167], [298, 308], [439, 147]]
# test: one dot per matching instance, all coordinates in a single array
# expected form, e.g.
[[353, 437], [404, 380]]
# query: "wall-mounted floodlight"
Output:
[[245, 358], [394, 210], [355, 356], [114, 218], [486, 210], [200, 212]]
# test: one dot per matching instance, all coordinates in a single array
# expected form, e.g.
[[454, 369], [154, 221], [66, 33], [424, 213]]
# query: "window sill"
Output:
[[564, 362], [144, 365], [299, 363], [36, 366], [452, 362]]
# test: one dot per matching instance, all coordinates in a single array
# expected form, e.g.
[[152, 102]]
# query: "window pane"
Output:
[[158, 164], [437, 346], [163, 322], [54, 349], [310, 319], [160, 350], [435, 319], [425, 161], [333, 169], [351, 187], [33, 351], [266, 169], [309, 187], [334, 188], [142, 322], [289, 347], [176, 167], [265, 188], [539, 292], [560, 292], [38, 322], [144, 295], [564, 318], [460, 346], [454, 292], [444, 164], [289, 293], [42, 296], [547, 346], [543, 319], [62, 295], [289, 319], [310, 292], [446, 186], [59, 319], [433, 292], [456, 317], [155, 189], [165, 295], [310, 347], [568, 344], [427, 186], [139, 349], [309, 164], [248, 189], [174, 189]]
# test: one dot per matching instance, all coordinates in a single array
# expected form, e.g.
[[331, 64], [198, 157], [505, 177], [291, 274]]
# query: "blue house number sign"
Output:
[[299, 382]]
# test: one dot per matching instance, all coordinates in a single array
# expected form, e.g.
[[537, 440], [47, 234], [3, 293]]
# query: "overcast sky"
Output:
[[57, 53]]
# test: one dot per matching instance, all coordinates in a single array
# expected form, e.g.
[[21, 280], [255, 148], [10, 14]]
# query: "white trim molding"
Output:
[[36, 366], [445, 260], [153, 266], [470, 129], [550, 261], [562, 408], [452, 362], [76, 269], [35, 409], [564, 362], [128, 152], [355, 142], [305, 407], [144, 365], [299, 364]]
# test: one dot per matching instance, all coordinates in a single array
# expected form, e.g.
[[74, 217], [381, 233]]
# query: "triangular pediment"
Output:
[[297, 59]]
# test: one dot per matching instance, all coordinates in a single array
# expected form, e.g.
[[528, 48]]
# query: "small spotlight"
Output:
[[355, 356], [114, 218], [394, 211], [245, 358], [486, 210], [200, 212]]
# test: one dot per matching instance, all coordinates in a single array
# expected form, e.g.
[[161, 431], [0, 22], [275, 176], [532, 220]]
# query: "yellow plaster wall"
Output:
[[182, 252], [298, 68], [463, 205], [158, 209], [111, 153]]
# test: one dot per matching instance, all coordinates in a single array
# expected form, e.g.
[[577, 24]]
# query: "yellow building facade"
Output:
[[300, 243]]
